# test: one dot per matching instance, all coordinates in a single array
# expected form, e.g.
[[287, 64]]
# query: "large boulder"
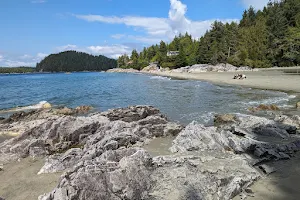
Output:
[[125, 178]]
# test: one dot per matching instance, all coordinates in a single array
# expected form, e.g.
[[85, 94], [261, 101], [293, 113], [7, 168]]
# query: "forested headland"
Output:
[[263, 38], [73, 61]]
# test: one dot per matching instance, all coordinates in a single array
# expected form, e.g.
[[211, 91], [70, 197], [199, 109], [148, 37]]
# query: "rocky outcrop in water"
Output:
[[102, 155]]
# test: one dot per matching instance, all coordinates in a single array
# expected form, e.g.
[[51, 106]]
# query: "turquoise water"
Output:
[[181, 100]]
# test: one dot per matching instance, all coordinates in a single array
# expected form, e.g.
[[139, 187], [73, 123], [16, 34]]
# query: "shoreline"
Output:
[[263, 79]]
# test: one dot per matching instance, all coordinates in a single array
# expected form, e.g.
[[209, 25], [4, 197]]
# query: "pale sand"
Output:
[[271, 79], [19, 180]]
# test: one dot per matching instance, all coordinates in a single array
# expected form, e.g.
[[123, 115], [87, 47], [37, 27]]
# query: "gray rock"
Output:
[[99, 160], [130, 114]]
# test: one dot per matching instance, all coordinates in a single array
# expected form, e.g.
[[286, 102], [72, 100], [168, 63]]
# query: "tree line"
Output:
[[263, 38], [8, 70], [71, 61]]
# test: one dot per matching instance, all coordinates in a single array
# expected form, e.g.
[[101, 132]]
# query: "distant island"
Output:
[[67, 61], [73, 61], [19, 70]]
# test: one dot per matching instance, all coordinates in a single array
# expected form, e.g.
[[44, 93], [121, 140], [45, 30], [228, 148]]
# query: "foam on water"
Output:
[[281, 101], [160, 78], [24, 108]]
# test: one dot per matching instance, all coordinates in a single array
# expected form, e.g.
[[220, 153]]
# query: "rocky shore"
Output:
[[121, 70], [102, 156]]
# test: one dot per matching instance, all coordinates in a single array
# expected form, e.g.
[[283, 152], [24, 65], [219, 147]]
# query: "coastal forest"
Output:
[[263, 38], [71, 61]]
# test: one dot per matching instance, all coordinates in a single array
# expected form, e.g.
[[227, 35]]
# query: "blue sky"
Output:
[[33, 29]]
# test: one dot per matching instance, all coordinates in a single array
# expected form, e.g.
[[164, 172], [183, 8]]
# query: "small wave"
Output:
[[276, 100], [207, 117], [286, 106], [292, 96], [160, 78], [40, 105]]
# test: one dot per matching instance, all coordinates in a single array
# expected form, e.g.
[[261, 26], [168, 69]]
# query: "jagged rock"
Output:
[[94, 134], [83, 109], [263, 107], [57, 162], [100, 160], [151, 67], [293, 121], [249, 136], [64, 111], [224, 119], [132, 113], [128, 178], [18, 116]]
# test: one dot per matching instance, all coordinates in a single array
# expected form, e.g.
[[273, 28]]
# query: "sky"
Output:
[[32, 29]]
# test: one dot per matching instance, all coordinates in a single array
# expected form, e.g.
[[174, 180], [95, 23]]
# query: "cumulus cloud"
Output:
[[17, 63], [25, 56], [158, 28], [24, 60], [41, 55], [112, 51], [257, 4]]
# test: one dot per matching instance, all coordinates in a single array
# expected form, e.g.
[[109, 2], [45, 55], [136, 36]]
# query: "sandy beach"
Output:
[[19, 180], [271, 79]]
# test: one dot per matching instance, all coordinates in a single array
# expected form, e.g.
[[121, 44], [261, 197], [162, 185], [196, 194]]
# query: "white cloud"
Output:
[[17, 63], [41, 55], [67, 47], [159, 28], [112, 51], [257, 4], [25, 56], [38, 1], [24, 60]]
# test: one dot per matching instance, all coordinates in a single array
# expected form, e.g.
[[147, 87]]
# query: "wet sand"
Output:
[[283, 184], [19, 180], [272, 79]]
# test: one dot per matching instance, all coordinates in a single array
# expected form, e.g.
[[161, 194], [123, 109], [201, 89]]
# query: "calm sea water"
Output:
[[181, 100]]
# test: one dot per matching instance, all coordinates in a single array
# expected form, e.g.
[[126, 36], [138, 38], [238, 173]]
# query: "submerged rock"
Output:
[[83, 109], [263, 107], [224, 119]]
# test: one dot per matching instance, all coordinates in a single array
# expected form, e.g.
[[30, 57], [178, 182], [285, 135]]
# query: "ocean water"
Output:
[[180, 100]]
